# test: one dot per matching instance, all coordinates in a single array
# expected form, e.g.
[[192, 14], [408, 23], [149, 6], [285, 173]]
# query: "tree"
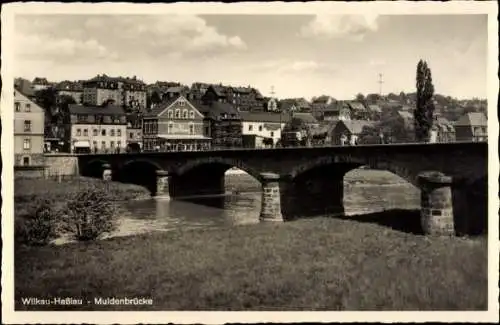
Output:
[[425, 106], [360, 97], [372, 98]]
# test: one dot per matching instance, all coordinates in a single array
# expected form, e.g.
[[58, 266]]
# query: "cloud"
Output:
[[353, 27], [302, 67], [123, 37]]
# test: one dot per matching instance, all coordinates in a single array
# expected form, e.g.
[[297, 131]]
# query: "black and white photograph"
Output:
[[241, 157]]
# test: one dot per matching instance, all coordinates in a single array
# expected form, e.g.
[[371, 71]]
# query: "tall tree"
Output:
[[425, 106], [360, 97]]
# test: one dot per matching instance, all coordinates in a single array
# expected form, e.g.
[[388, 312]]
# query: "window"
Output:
[[185, 113], [191, 129], [27, 126], [177, 113], [27, 108], [85, 132], [112, 132], [170, 114], [26, 161], [17, 106], [103, 132], [119, 144], [260, 127], [94, 143], [119, 132], [103, 144], [26, 144], [94, 132], [250, 127], [78, 132], [272, 133], [111, 144], [191, 114], [131, 135], [170, 127]]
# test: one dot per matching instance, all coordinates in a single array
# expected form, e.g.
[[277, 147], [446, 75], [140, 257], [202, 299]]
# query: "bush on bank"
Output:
[[83, 208], [36, 224], [89, 214]]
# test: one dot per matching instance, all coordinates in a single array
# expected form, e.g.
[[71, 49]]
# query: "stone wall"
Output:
[[28, 171], [61, 164]]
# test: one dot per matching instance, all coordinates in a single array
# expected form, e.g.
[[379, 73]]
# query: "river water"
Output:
[[365, 191]]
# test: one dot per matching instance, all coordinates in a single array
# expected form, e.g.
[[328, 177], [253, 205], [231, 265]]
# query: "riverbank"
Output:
[[314, 264], [25, 190]]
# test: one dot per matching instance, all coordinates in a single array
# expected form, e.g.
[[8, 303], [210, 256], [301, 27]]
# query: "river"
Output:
[[365, 191]]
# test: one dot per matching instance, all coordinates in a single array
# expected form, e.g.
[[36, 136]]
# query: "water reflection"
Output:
[[242, 205]]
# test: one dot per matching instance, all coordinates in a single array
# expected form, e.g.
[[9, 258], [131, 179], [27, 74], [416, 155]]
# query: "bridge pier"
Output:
[[271, 199], [319, 193], [162, 185], [436, 203]]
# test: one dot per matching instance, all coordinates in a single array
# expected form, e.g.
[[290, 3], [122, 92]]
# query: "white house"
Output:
[[257, 126]]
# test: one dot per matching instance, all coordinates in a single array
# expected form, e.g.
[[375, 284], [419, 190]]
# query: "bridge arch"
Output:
[[218, 162], [140, 172], [348, 162], [93, 168]]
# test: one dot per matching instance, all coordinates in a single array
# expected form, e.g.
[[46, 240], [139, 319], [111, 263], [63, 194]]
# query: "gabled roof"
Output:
[[217, 109], [323, 99], [355, 126], [34, 106], [287, 104], [264, 117], [357, 106], [24, 86], [160, 107], [305, 117], [177, 89], [374, 108], [472, 119], [95, 110]]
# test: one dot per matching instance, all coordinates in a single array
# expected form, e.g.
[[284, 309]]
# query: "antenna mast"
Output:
[[380, 82], [272, 91]]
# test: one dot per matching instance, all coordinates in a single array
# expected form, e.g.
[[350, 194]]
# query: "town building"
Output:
[[29, 121], [347, 132], [223, 124], [174, 125], [271, 104], [134, 132], [288, 105], [358, 110], [262, 129], [242, 98], [174, 92], [442, 130], [40, 84], [96, 129], [71, 89], [197, 90], [307, 118], [25, 87], [472, 127], [127, 92], [320, 103], [335, 111]]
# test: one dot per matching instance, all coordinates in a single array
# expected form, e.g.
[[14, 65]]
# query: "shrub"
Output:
[[89, 214], [35, 225]]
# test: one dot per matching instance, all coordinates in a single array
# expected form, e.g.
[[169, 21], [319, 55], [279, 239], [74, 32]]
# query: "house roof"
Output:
[[69, 86], [160, 107], [323, 99], [287, 104], [358, 106], [264, 117], [177, 89], [24, 87], [95, 110], [472, 119], [374, 108], [305, 117], [356, 126]]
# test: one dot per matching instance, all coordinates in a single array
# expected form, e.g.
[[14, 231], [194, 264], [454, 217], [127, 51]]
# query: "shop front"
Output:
[[170, 142]]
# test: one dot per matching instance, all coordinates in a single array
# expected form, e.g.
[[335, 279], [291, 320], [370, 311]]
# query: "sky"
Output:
[[296, 55]]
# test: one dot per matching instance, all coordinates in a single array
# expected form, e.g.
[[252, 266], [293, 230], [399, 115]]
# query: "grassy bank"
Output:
[[26, 190], [313, 264]]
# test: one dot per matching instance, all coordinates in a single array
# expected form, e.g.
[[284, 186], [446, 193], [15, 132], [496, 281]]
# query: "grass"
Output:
[[26, 190], [314, 264]]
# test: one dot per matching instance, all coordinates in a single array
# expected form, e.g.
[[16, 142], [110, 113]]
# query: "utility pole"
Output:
[[272, 91], [380, 82]]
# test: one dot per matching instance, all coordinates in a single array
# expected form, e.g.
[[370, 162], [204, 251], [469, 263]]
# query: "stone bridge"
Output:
[[453, 183]]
